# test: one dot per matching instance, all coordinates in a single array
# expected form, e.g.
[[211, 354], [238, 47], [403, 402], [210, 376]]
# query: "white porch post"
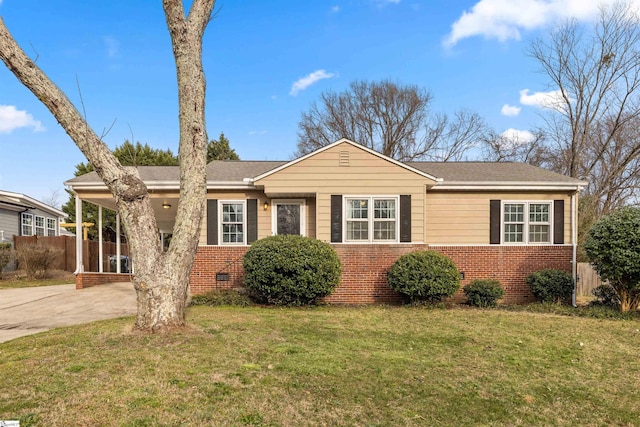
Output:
[[100, 260], [118, 266], [79, 253]]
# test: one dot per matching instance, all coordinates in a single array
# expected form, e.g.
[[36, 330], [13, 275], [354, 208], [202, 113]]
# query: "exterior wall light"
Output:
[[166, 205]]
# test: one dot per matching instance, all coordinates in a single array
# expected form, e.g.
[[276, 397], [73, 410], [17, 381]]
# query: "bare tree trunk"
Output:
[[161, 279]]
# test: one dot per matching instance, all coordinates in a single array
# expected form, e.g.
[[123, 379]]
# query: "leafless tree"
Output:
[[54, 198], [392, 119], [592, 130], [162, 278], [504, 148]]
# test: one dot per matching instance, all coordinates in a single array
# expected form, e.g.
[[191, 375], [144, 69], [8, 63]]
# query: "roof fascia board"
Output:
[[362, 147], [510, 186], [37, 204], [99, 186]]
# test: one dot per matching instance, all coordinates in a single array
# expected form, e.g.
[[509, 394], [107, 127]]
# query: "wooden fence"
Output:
[[67, 245], [589, 279]]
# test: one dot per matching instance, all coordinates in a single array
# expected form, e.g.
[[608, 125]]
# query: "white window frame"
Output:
[[54, 228], [526, 224], [274, 214], [221, 223], [370, 219], [23, 216], [42, 228]]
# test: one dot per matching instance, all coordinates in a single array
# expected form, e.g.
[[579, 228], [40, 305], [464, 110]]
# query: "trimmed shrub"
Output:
[[222, 297], [6, 256], [290, 270], [424, 276], [551, 285], [36, 259], [483, 293], [613, 247], [606, 296]]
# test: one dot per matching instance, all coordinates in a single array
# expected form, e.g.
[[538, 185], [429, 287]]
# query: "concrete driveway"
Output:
[[27, 311]]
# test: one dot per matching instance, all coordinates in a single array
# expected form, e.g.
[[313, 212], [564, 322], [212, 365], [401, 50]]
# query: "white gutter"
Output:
[[157, 185], [508, 186]]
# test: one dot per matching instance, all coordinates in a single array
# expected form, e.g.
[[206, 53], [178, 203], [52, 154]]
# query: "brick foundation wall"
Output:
[[364, 269], [364, 273], [87, 280], [215, 259], [508, 264]]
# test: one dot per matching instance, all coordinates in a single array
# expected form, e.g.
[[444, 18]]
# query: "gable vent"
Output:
[[344, 158]]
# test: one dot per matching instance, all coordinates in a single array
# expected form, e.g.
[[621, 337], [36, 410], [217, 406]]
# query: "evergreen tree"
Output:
[[220, 150]]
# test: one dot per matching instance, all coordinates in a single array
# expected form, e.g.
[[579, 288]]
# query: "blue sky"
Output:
[[265, 63]]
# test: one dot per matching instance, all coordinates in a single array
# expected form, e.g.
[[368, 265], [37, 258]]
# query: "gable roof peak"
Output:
[[355, 145]]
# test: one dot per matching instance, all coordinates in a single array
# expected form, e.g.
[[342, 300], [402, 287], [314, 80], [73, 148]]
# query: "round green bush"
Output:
[[483, 293], [290, 270], [424, 276], [551, 285]]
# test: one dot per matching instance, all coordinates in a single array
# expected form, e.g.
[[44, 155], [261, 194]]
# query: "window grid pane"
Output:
[[51, 227], [384, 230], [513, 233], [357, 209], [358, 230], [532, 227], [39, 226], [538, 234], [27, 225], [514, 213], [233, 223], [384, 209], [539, 213]]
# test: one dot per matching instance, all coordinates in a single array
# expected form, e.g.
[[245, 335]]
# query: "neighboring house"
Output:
[[21, 215], [495, 220]]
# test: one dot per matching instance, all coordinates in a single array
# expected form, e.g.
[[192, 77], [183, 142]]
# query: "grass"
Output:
[[371, 366], [17, 279]]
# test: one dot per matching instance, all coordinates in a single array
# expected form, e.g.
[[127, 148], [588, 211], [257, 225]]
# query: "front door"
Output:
[[288, 217]]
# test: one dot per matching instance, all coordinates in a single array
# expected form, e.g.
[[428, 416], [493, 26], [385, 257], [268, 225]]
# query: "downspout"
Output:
[[574, 244]]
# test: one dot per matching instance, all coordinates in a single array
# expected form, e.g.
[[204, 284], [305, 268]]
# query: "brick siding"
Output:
[[364, 269], [87, 280], [508, 264]]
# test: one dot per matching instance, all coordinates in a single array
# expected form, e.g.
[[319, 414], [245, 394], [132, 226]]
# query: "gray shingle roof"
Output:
[[451, 172], [491, 172]]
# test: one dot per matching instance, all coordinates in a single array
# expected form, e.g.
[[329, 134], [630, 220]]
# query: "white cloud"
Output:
[[112, 46], [510, 110], [552, 99], [257, 132], [505, 19], [11, 118], [304, 82], [335, 9], [517, 137]]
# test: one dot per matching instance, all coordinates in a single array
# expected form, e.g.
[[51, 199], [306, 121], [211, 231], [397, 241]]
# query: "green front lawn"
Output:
[[372, 366]]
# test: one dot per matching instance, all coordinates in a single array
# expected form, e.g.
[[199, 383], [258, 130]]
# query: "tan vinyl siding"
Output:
[[462, 217], [366, 175]]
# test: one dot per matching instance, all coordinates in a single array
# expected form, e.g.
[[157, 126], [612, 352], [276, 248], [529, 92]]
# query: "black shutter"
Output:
[[405, 218], [252, 220], [558, 222], [212, 221], [494, 222], [336, 218]]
